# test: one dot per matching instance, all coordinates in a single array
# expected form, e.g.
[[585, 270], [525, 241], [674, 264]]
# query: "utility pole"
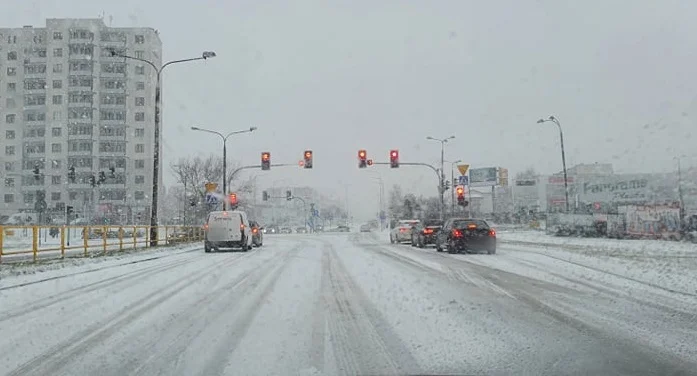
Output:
[[442, 187], [563, 156]]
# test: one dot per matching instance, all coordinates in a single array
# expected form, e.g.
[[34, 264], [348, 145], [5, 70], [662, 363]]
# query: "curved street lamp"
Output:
[[563, 157]]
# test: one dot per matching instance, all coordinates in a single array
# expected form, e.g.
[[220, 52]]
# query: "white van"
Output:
[[227, 229]]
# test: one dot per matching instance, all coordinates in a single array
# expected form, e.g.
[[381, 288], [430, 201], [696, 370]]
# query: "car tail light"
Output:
[[403, 230], [492, 232], [255, 230], [457, 233], [428, 231], [205, 226], [242, 226], [471, 227]]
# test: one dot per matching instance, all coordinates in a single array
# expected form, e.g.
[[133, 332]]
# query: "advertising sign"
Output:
[[626, 188], [482, 177]]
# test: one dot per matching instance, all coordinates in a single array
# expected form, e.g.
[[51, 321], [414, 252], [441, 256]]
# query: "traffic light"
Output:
[[69, 210], [102, 177], [460, 190], [289, 195], [265, 196], [71, 174], [362, 158], [394, 158], [265, 161], [93, 181], [370, 162], [233, 200], [308, 158], [37, 173]]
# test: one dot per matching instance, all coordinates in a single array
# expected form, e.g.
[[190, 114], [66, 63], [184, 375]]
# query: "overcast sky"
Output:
[[337, 76]]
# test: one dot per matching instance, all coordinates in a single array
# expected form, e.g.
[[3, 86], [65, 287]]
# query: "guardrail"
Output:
[[23, 243]]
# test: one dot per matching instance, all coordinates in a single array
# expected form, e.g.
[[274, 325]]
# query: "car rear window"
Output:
[[466, 223]]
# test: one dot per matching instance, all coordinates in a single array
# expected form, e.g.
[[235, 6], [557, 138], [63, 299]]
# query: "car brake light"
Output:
[[255, 230], [242, 226], [457, 233], [428, 231], [492, 232], [205, 226], [471, 226], [402, 230]]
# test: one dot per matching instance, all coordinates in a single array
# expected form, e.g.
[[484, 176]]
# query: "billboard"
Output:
[[627, 188], [482, 177]]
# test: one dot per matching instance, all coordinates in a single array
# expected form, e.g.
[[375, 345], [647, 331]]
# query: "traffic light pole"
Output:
[[304, 206], [438, 176]]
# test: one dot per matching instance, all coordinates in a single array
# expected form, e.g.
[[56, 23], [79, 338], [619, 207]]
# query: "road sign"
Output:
[[211, 187], [463, 168], [211, 199], [464, 180]]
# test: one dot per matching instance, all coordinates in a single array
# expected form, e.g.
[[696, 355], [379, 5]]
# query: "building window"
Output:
[[140, 179], [28, 198], [56, 164], [57, 99], [9, 150], [140, 116], [35, 100], [57, 35], [35, 69], [9, 135], [140, 163], [140, 101], [10, 103], [139, 195], [9, 166], [140, 39], [12, 55], [57, 84], [57, 115], [56, 148], [35, 116], [140, 132], [11, 86], [55, 196], [72, 195], [140, 148], [11, 39], [9, 198], [9, 182], [56, 131], [57, 52], [82, 113], [57, 68], [112, 115], [140, 85], [55, 179], [10, 118], [140, 54], [140, 69], [11, 71]]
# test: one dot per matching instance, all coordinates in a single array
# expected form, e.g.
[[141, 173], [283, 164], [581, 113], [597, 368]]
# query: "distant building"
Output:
[[65, 101]]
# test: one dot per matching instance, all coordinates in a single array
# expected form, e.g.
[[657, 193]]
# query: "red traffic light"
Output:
[[362, 154], [308, 154], [460, 190], [394, 158], [233, 198], [265, 156], [394, 154]]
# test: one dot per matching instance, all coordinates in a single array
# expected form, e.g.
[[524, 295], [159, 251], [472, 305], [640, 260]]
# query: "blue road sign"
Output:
[[464, 180], [211, 199]]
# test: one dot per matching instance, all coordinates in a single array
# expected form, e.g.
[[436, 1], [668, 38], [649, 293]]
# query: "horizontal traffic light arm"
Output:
[[249, 167], [412, 164]]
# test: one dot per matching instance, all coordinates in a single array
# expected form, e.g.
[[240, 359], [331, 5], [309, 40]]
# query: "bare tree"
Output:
[[195, 172]]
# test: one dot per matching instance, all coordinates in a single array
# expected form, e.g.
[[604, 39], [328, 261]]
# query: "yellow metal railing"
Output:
[[23, 243]]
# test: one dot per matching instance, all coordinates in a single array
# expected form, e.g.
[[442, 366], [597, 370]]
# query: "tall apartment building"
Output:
[[66, 101]]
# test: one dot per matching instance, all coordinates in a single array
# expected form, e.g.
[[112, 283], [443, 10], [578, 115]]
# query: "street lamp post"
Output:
[[680, 193], [224, 137], [441, 189], [156, 152], [563, 157]]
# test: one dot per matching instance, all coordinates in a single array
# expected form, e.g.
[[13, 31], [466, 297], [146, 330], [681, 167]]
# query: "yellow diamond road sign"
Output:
[[463, 169], [211, 187]]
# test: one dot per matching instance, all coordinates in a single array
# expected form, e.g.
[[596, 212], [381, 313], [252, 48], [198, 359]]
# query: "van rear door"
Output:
[[224, 227]]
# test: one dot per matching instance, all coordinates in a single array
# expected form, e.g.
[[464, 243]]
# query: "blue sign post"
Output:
[[464, 180]]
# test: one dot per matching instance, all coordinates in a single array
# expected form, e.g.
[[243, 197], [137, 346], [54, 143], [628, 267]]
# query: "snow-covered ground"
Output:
[[346, 303]]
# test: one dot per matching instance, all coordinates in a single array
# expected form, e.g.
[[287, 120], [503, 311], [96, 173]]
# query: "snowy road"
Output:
[[343, 304]]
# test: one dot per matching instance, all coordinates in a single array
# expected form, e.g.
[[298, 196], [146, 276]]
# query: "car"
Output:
[[257, 234], [301, 230], [366, 228], [227, 229], [286, 230], [402, 231], [466, 234], [425, 233], [271, 230]]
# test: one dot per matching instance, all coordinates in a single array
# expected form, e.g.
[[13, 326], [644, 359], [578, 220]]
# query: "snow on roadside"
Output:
[[27, 272]]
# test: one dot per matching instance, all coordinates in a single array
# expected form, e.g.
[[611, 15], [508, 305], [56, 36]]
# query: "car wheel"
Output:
[[438, 247], [491, 251], [206, 249], [391, 239], [451, 248], [421, 244]]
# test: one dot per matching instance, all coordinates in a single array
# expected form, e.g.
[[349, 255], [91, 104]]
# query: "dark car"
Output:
[[424, 233], [286, 230], [301, 230], [257, 234], [466, 234], [271, 230]]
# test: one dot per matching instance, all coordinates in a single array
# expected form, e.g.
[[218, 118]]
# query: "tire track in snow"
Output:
[[362, 342], [130, 279], [250, 302], [58, 356], [165, 359]]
